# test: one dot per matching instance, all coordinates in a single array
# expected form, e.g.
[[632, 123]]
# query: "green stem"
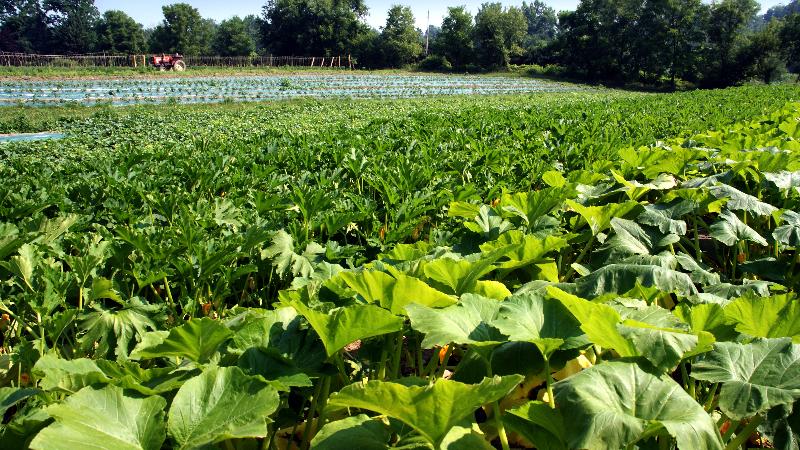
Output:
[[688, 382], [229, 445], [433, 365], [498, 421], [80, 298], [698, 253], [582, 255], [169, 296], [326, 391], [549, 379], [745, 434], [398, 350], [501, 429], [708, 404], [310, 417], [339, 359], [382, 363]]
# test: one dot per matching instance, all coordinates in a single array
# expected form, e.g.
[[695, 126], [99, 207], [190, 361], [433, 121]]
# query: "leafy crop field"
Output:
[[217, 89], [595, 270]]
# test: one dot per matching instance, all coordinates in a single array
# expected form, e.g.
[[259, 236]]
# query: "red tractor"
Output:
[[168, 62]]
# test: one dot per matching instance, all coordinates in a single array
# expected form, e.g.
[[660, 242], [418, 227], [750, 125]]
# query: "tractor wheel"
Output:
[[162, 69], [179, 66]]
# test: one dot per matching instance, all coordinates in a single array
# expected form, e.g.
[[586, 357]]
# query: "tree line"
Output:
[[651, 42]]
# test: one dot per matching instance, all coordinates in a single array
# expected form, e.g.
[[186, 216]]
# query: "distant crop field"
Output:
[[261, 88]]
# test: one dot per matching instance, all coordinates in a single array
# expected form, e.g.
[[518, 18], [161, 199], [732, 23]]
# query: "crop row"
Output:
[[211, 89]]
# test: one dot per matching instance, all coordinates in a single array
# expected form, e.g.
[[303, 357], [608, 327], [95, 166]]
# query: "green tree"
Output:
[[590, 39], [253, 25], [183, 31], [790, 41], [761, 57], [367, 49], [499, 34], [455, 40], [401, 41], [117, 32], [73, 24], [542, 27], [727, 20], [23, 27], [313, 27], [233, 38], [625, 40]]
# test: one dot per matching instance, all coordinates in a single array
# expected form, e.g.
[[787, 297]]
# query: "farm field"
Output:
[[580, 269], [245, 88]]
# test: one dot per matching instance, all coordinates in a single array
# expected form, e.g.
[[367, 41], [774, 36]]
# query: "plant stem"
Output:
[[326, 390], [688, 382], [310, 417], [709, 403], [501, 429], [396, 356], [382, 363], [549, 380], [745, 434], [169, 296], [582, 255]]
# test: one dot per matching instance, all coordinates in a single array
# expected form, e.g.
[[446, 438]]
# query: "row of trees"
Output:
[[656, 41], [76, 26], [494, 38], [714, 44]]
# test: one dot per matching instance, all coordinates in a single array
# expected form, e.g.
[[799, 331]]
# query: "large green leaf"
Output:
[[739, 201], [664, 347], [772, 317], [197, 340], [65, 375], [667, 217], [259, 328], [540, 424], [531, 251], [10, 396], [104, 418], [394, 293], [622, 278], [788, 234], [342, 326], [545, 322], [635, 190], [221, 403], [286, 261], [755, 377], [432, 410], [461, 276], [107, 329], [599, 217], [359, 432], [530, 206], [598, 321], [729, 230], [708, 317], [615, 404], [469, 322], [632, 239]]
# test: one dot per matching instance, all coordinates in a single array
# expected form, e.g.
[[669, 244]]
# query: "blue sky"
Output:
[[148, 12]]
